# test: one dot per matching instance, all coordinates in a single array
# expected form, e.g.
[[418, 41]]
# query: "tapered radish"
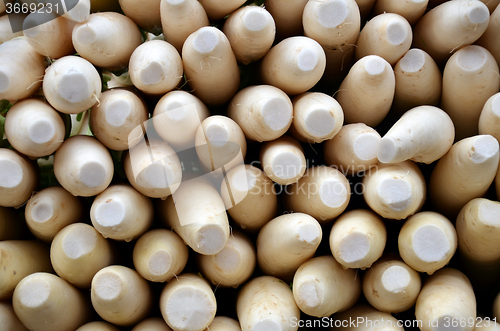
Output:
[[287, 15], [367, 92], [249, 197], [250, 31], [21, 69], [78, 252], [391, 286], [266, 303], [34, 128], [316, 117], [283, 160], [423, 134], [263, 112], [488, 39], [358, 239], [116, 120], [395, 191], [449, 26], [145, 14], [97, 326], [121, 213], [322, 287], [188, 303], [160, 255], [222, 323], [6, 32], [386, 35], [72, 85], [323, 193], [152, 324], [294, 65], [427, 242], [83, 166], [218, 9], [366, 318], [120, 296], [447, 297], [411, 10], [10, 227], [233, 265], [180, 18], [18, 178], [353, 149], [107, 39], [286, 242], [45, 302], [464, 173], [9, 319], [418, 81], [489, 120], [155, 67]]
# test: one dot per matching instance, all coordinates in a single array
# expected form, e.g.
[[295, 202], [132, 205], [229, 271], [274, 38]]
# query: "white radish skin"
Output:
[[45, 302], [120, 296], [316, 117], [218, 9], [233, 265], [266, 303], [411, 10], [197, 214], [153, 169], [489, 120], [21, 258], [367, 319], [449, 26], [427, 242], [155, 67], [365, 7], [470, 78], [210, 66], [34, 128], [446, 297], [496, 307], [263, 112], [286, 242], [418, 81], [18, 178], [464, 173], [49, 34], [188, 303], [177, 117], [21, 69], [80, 12], [222, 323], [386, 35], [288, 16], [51, 210], [160, 255], [180, 18], [478, 229], [367, 92], [9, 319], [152, 324], [358, 239], [283, 160], [78, 252], [488, 325], [107, 40], [10, 227], [6, 32], [391, 286], [251, 31], [423, 134], [488, 38], [83, 166], [323, 193], [116, 118], [72, 85], [145, 14], [322, 287], [97, 326], [353, 149], [220, 142], [294, 65], [121, 213], [395, 191], [249, 197]]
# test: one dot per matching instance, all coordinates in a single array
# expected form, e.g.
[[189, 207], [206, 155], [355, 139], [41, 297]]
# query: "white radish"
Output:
[[10, 322], [218, 9], [288, 16], [222, 323], [144, 13], [411, 10], [18, 178], [152, 324], [488, 38], [80, 12], [6, 32], [366, 318], [489, 120], [97, 326]]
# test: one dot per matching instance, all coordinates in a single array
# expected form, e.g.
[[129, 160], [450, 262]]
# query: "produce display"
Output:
[[258, 165]]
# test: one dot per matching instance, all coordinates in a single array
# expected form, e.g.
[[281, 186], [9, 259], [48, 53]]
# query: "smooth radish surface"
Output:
[[9, 319], [18, 178], [370, 320], [218, 9], [6, 32], [358, 239], [97, 326], [83, 166], [120, 296], [411, 10], [488, 39], [45, 302], [323, 287], [427, 242], [152, 324], [144, 13], [222, 323], [489, 120], [80, 12], [287, 15]]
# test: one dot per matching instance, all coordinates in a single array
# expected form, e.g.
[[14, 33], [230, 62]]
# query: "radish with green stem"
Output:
[[489, 37], [152, 324], [145, 14], [287, 15], [9, 319], [489, 120], [18, 178], [411, 10], [97, 326]]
